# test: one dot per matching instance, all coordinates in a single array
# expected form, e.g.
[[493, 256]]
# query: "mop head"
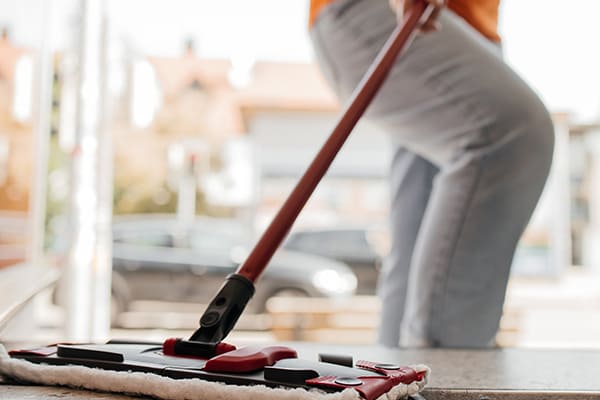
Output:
[[148, 384]]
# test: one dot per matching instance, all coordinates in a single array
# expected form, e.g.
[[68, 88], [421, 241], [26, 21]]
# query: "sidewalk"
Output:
[[547, 313]]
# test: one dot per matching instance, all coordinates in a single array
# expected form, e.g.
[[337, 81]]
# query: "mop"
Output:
[[205, 367]]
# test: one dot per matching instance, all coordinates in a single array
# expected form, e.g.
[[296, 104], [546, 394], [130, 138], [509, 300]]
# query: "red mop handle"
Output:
[[361, 98]]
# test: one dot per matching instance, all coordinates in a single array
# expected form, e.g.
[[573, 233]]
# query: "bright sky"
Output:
[[271, 29], [551, 43]]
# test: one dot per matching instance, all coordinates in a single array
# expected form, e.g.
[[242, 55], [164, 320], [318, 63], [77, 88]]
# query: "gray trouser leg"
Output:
[[452, 101], [411, 178]]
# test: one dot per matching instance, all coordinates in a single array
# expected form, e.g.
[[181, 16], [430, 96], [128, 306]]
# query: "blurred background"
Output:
[[144, 146]]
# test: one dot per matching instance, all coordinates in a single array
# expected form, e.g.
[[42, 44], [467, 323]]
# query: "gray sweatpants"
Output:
[[472, 149]]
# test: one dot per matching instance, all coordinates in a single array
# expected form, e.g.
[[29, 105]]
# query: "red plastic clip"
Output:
[[402, 374], [247, 359], [370, 387], [40, 351]]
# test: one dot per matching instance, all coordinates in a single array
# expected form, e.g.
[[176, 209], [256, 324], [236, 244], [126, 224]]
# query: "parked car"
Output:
[[158, 258], [358, 247]]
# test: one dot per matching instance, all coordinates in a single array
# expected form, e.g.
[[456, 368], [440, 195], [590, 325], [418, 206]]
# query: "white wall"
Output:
[[287, 142]]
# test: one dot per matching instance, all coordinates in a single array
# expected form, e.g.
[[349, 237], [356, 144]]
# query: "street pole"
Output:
[[88, 273], [41, 113]]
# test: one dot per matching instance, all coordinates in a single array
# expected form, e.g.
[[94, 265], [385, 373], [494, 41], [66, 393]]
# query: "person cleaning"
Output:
[[472, 148]]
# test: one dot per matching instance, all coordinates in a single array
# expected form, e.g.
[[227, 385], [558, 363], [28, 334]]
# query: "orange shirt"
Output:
[[481, 14]]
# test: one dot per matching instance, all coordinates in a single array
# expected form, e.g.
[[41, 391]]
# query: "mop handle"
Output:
[[361, 98]]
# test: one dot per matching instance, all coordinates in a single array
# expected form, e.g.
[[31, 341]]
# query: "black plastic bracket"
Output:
[[224, 310]]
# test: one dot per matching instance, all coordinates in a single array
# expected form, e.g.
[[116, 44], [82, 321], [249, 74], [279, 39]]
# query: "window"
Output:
[[212, 242], [155, 239]]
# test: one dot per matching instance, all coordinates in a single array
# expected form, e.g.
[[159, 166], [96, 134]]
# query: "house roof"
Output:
[[177, 73], [287, 86], [271, 86]]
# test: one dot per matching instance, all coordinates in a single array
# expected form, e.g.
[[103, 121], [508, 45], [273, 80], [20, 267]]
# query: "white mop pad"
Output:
[[146, 384]]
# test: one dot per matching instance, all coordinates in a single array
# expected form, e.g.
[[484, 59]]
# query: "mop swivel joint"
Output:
[[217, 321]]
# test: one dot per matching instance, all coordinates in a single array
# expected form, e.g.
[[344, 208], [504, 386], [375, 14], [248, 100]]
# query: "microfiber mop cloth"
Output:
[[148, 384]]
